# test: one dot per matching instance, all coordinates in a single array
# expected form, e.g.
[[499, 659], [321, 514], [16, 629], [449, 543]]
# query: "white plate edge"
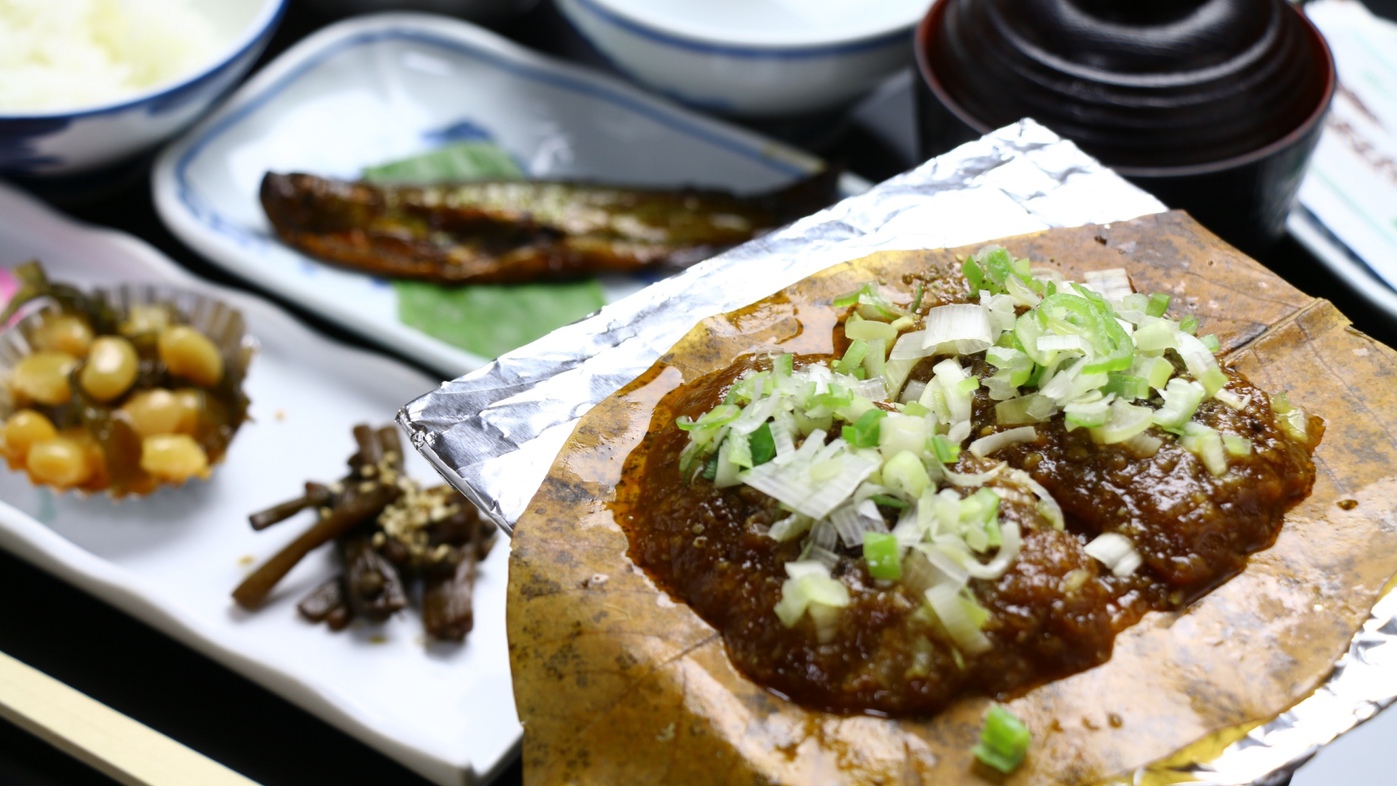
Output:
[[31, 540]]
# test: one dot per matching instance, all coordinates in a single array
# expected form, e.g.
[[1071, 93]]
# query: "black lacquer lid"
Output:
[[1139, 84]]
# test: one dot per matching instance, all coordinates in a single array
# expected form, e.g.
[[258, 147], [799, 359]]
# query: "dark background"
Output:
[[119, 661]]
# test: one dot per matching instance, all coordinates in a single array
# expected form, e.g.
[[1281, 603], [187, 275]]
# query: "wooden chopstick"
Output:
[[121, 748]]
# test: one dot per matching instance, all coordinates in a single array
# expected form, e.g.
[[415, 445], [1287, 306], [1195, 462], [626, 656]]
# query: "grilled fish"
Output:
[[497, 232]]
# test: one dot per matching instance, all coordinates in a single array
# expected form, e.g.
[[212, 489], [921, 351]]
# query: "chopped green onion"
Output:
[[720, 415], [1156, 336], [974, 274], [763, 445], [1181, 400], [945, 451], [1158, 304], [890, 502], [1004, 740], [808, 587], [883, 555], [1116, 552], [1231, 399], [875, 360], [1189, 324], [1086, 414], [864, 432], [1127, 386], [958, 619], [710, 469], [853, 357], [1156, 371], [1017, 411], [981, 508], [964, 327], [1206, 443], [1291, 417], [1123, 421], [986, 445], [857, 327], [739, 450], [852, 298], [1235, 445], [905, 472]]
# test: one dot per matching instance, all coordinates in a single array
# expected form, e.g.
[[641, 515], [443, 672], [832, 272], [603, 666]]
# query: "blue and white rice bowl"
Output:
[[752, 58], [72, 140]]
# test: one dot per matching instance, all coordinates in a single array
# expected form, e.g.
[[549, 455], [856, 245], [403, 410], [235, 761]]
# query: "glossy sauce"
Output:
[[1054, 613]]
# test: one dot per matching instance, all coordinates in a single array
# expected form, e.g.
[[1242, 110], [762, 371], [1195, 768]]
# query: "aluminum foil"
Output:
[[494, 433]]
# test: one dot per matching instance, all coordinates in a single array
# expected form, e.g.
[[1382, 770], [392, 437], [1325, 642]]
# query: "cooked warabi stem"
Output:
[[322, 600], [339, 617], [517, 231], [317, 494], [372, 585], [466, 527], [391, 446], [354, 509], [388, 532], [370, 449], [446, 599]]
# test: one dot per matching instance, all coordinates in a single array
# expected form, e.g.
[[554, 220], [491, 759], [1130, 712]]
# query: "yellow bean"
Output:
[[145, 319], [22, 430], [58, 461], [191, 404], [110, 369], [190, 354], [96, 457], [154, 411], [43, 378], [63, 333], [174, 457]]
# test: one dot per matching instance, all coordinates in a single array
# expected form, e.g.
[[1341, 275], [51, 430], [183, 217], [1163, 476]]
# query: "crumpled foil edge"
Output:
[[493, 433]]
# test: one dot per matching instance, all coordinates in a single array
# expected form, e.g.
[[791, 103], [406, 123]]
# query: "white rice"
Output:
[[68, 54]]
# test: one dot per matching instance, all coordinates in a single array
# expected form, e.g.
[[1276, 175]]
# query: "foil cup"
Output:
[[220, 323]]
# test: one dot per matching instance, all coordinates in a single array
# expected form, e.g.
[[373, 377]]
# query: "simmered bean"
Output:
[[155, 411], [63, 333], [110, 369], [140, 319], [190, 354], [22, 430], [58, 461], [174, 457], [43, 378], [192, 405]]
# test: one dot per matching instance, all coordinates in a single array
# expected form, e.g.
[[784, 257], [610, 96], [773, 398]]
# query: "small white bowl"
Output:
[[752, 58], [73, 141], [479, 11]]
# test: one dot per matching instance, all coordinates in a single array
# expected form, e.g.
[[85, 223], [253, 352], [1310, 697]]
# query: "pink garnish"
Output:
[[9, 285]]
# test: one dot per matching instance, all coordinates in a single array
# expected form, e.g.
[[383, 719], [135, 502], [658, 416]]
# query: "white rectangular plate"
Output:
[[377, 88], [171, 559]]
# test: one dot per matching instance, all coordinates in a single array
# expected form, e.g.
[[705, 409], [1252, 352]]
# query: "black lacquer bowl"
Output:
[[1214, 106]]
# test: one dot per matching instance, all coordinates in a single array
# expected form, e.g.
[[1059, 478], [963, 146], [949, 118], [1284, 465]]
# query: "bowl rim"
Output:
[[929, 80], [655, 31], [265, 22]]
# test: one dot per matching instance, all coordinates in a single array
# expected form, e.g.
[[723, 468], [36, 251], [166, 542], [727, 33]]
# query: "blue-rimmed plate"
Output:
[[384, 87]]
